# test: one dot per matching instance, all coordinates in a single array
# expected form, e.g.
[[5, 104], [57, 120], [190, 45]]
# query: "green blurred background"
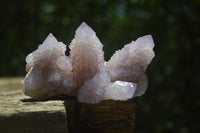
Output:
[[172, 102]]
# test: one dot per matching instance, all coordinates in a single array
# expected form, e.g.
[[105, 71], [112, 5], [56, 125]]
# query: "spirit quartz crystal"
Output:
[[84, 73]]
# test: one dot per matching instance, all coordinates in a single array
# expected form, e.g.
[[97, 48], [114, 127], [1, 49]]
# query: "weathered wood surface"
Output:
[[20, 114], [105, 117]]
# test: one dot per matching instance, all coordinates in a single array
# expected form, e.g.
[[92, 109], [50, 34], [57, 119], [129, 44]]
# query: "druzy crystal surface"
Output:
[[129, 63], [84, 73], [86, 54], [49, 70]]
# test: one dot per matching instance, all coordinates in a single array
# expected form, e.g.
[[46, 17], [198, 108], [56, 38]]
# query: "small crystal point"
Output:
[[145, 42], [50, 39]]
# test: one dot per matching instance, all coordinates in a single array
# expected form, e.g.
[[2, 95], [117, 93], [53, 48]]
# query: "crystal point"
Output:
[[50, 39], [129, 63], [86, 54], [145, 42], [47, 68]]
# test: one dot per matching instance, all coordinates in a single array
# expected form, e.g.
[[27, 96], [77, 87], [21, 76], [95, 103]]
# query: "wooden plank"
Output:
[[19, 114], [108, 116]]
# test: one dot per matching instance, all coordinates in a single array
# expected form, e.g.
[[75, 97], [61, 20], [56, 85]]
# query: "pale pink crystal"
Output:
[[49, 49], [85, 74], [141, 85], [120, 90], [93, 90], [86, 54], [49, 71], [101, 88], [129, 63]]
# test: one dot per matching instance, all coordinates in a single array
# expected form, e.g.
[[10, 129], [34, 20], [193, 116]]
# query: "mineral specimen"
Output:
[[85, 74]]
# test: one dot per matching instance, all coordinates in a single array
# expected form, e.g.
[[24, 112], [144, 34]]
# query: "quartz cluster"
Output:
[[84, 74]]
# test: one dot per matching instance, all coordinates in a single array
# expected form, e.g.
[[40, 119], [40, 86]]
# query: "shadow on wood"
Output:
[[33, 122]]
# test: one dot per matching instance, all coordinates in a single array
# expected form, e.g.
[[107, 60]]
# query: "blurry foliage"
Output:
[[172, 102]]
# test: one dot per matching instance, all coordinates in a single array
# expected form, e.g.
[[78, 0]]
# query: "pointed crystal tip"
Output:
[[50, 39], [84, 31], [83, 24], [145, 42]]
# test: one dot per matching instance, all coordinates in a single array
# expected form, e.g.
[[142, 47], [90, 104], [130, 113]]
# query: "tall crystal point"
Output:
[[86, 54]]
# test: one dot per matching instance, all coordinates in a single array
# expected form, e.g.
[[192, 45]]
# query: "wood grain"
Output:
[[105, 117], [20, 114]]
